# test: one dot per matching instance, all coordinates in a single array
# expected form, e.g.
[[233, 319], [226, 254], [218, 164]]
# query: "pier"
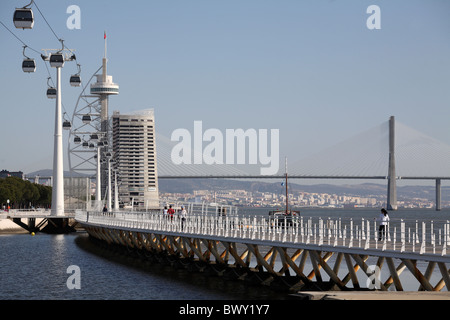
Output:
[[307, 253], [34, 221]]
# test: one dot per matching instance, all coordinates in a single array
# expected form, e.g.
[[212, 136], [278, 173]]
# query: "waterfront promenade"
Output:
[[305, 252]]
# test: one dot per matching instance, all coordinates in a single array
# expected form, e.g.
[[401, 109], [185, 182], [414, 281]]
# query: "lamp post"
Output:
[[116, 190], [98, 196], [109, 156]]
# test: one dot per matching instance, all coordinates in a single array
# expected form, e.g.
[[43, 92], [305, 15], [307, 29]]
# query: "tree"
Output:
[[22, 193]]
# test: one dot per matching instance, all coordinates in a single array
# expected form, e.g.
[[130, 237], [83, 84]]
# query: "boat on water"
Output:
[[284, 217]]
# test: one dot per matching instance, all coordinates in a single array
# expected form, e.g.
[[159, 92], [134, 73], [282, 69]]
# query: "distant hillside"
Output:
[[362, 190], [49, 172]]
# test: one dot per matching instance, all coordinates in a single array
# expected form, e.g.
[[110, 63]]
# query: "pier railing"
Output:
[[413, 236]]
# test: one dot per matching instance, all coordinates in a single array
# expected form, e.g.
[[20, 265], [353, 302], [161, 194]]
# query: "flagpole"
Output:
[[104, 37]]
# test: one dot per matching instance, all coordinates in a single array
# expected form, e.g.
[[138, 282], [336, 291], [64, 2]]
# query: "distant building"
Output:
[[135, 158], [6, 173]]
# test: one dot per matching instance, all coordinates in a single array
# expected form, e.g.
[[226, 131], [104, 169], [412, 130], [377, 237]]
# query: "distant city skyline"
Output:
[[311, 69]]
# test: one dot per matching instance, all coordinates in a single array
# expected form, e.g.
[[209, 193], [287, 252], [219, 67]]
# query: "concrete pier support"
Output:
[[392, 184], [438, 194]]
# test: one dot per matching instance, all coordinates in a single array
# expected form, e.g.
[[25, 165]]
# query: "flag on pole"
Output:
[[104, 35]]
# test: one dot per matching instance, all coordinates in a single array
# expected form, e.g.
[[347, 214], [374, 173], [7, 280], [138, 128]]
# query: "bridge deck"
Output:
[[404, 239]]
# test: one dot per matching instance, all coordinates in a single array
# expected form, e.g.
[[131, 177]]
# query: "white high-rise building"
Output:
[[134, 152]]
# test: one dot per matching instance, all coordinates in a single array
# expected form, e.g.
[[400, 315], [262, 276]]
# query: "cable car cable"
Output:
[[48, 24], [27, 46], [19, 38]]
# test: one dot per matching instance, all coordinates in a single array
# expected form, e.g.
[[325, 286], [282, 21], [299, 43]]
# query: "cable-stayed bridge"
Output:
[[389, 151]]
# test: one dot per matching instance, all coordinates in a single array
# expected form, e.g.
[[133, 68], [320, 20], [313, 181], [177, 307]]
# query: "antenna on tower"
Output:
[[104, 37]]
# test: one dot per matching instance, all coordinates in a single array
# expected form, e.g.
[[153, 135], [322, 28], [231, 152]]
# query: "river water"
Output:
[[39, 267]]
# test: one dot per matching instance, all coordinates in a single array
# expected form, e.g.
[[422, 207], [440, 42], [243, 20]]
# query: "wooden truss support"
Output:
[[292, 261], [212, 247], [411, 265], [262, 261], [351, 272], [319, 261], [395, 274], [445, 277]]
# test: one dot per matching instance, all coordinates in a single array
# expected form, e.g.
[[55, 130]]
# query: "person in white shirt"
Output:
[[383, 219], [183, 215]]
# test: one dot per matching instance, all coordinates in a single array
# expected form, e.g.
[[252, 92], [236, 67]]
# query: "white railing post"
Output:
[[367, 236], [350, 243], [423, 245], [363, 233], [320, 231]]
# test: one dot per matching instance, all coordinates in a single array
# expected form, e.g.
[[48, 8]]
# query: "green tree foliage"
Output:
[[22, 193]]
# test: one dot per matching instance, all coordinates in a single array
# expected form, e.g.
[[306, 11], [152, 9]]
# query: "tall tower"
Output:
[[104, 87], [392, 187]]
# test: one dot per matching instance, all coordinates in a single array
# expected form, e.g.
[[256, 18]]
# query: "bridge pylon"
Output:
[[392, 183]]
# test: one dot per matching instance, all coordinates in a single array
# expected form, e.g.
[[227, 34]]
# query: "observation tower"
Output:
[[90, 141], [104, 87]]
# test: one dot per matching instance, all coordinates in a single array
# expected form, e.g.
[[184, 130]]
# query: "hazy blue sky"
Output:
[[311, 69]]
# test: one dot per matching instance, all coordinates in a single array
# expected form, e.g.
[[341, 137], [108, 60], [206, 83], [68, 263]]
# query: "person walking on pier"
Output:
[[171, 212], [383, 219], [183, 215]]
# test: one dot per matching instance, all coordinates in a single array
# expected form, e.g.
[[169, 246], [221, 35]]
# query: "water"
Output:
[[35, 267]]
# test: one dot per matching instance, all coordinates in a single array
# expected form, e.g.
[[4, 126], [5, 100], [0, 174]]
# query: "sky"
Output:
[[310, 68]]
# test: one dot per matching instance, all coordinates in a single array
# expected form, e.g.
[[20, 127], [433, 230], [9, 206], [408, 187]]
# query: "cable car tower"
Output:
[[90, 135], [57, 58]]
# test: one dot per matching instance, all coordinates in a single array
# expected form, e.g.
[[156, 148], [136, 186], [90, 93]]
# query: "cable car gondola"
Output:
[[56, 60], [85, 144], [94, 137], [67, 125], [75, 80], [51, 93], [86, 118], [28, 65], [23, 18], [77, 140]]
